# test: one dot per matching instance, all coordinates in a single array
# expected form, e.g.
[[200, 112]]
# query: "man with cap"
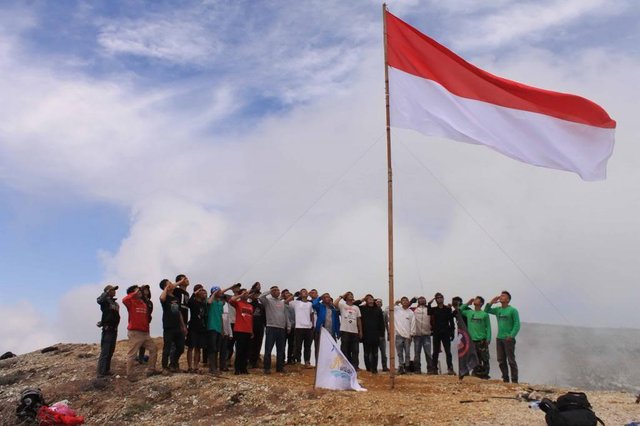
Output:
[[215, 330], [109, 323], [138, 331], [442, 331]]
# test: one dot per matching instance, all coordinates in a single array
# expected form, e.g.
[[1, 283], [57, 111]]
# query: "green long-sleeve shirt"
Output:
[[478, 323], [508, 320]]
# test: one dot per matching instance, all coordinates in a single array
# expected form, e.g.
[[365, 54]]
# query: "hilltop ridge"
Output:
[[200, 399]]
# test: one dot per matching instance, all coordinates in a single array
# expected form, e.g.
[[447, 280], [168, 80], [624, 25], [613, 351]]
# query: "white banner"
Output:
[[333, 370]]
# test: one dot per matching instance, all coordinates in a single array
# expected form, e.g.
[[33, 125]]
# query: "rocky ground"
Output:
[[194, 399]]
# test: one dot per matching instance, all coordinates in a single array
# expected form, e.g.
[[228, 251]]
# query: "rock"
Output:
[[49, 349], [7, 355], [8, 362]]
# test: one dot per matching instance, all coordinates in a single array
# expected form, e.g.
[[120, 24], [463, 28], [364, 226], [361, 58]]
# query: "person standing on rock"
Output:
[[422, 337], [197, 327], [243, 330], [372, 331], [138, 331], [259, 319], [303, 333], [384, 338], [277, 326], [479, 328], [405, 327], [174, 328], [443, 331], [508, 328], [350, 328], [290, 337], [145, 290], [109, 324], [327, 316], [216, 344]]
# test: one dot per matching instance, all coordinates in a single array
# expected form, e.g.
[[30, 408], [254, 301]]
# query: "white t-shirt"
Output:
[[303, 312], [349, 317]]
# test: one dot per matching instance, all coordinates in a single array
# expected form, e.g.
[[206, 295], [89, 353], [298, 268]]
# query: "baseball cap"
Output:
[[110, 287], [215, 288]]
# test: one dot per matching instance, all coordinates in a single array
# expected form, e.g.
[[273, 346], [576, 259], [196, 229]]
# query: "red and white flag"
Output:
[[437, 93]]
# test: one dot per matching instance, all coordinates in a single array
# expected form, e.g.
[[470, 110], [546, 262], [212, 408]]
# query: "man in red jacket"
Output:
[[138, 331]]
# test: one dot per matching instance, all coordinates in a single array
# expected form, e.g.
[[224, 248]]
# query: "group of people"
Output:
[[215, 323]]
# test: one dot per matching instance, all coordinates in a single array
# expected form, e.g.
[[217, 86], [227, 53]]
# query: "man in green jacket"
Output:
[[508, 327], [479, 327]]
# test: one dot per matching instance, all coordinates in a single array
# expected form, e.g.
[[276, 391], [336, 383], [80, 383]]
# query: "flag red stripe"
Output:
[[415, 53]]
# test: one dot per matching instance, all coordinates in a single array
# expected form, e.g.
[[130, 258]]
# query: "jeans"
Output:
[[303, 336], [274, 336], [403, 345], [445, 340], [107, 347], [350, 347], [383, 351], [172, 347], [506, 350], [422, 344], [213, 349]]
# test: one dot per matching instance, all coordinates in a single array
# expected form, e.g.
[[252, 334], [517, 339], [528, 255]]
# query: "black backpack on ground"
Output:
[[30, 402], [571, 409]]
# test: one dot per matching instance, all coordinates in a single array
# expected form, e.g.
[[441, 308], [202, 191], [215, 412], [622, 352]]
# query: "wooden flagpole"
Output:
[[392, 349]]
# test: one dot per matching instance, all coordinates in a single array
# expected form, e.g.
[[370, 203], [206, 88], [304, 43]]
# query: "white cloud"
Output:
[[174, 39], [512, 22]]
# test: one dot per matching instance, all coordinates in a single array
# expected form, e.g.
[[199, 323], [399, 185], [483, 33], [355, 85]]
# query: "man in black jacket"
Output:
[[372, 331], [443, 330], [109, 323]]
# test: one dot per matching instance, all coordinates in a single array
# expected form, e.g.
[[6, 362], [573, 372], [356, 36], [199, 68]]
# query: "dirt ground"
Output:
[[289, 398]]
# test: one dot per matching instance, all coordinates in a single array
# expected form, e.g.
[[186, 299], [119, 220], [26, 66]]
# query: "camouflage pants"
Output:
[[482, 349]]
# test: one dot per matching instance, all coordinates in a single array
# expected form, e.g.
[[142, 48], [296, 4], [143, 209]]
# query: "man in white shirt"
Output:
[[405, 327], [303, 333], [350, 328]]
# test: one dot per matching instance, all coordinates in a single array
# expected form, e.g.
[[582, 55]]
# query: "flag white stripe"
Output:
[[427, 107]]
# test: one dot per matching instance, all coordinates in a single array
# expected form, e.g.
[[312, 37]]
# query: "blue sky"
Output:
[[139, 140]]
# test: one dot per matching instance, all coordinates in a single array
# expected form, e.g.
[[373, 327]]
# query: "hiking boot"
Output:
[[385, 368], [450, 372], [374, 371], [401, 370], [514, 380], [152, 373], [267, 371], [166, 372]]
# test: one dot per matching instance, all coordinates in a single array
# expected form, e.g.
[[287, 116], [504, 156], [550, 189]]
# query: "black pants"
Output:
[[291, 348], [506, 351], [444, 339], [172, 347], [303, 336], [371, 346], [213, 350], [350, 347], [242, 351], [275, 336], [107, 347], [256, 342]]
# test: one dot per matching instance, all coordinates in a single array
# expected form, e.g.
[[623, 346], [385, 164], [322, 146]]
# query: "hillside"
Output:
[[69, 372]]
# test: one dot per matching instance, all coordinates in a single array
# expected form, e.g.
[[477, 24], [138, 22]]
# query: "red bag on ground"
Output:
[[58, 414]]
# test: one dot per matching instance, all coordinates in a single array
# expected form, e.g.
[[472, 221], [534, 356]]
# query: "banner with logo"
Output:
[[333, 370]]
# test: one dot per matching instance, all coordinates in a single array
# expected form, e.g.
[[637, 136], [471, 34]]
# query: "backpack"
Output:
[[30, 402], [570, 409]]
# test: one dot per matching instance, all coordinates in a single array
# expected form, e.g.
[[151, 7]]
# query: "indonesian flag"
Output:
[[437, 93]]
